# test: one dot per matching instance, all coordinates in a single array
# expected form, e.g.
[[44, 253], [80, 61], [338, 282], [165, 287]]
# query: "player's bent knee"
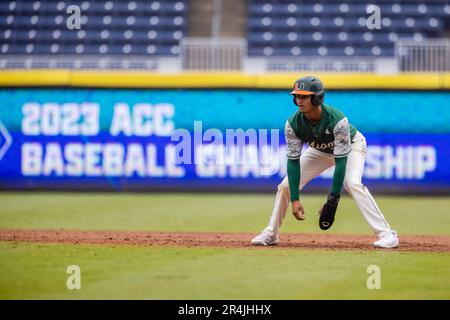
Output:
[[352, 186], [284, 186]]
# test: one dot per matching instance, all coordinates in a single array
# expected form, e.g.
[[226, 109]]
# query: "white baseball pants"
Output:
[[312, 164]]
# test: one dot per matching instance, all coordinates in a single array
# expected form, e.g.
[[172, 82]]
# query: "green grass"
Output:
[[209, 212], [38, 271]]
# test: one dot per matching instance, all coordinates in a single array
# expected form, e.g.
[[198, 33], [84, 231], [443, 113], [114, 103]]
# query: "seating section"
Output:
[[112, 27], [153, 28], [339, 28]]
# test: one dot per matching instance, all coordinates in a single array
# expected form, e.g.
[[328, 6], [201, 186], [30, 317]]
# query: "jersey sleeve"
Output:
[[293, 143], [342, 143]]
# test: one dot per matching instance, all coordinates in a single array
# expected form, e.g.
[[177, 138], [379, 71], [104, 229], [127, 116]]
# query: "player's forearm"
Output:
[[339, 175], [293, 171]]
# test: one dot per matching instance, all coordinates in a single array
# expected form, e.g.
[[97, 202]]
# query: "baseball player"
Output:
[[332, 141]]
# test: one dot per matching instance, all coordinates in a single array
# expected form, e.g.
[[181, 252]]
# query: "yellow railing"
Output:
[[128, 79]]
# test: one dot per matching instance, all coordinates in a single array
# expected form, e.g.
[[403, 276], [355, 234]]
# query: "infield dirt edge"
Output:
[[220, 239]]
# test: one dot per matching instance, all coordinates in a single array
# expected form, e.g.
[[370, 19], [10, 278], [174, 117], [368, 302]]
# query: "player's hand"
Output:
[[328, 211], [298, 211]]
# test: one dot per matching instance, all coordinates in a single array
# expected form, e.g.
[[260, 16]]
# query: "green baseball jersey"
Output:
[[332, 134]]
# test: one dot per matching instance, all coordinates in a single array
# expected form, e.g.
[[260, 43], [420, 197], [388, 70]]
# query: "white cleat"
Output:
[[266, 238], [388, 241]]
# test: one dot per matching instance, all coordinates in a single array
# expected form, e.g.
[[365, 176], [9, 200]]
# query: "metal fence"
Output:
[[212, 53], [223, 54], [431, 55], [77, 62], [329, 64]]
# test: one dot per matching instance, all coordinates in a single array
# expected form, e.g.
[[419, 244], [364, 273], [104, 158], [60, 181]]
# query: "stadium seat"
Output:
[[274, 28], [139, 27], [338, 27]]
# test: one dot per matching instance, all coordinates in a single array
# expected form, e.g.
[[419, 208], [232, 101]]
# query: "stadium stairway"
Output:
[[200, 18], [233, 18]]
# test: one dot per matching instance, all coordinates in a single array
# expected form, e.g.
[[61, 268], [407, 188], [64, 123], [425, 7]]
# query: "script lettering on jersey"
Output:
[[321, 146]]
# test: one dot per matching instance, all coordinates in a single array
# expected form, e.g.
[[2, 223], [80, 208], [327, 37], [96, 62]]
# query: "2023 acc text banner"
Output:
[[113, 139]]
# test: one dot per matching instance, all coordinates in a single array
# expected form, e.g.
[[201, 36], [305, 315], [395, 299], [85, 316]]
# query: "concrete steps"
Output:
[[232, 22]]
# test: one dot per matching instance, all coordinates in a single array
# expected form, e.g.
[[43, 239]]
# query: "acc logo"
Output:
[[5, 140]]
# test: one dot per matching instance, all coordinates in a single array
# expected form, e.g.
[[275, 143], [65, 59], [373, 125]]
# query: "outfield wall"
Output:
[[73, 138]]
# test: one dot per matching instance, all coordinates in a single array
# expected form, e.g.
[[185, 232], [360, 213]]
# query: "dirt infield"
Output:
[[226, 240]]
